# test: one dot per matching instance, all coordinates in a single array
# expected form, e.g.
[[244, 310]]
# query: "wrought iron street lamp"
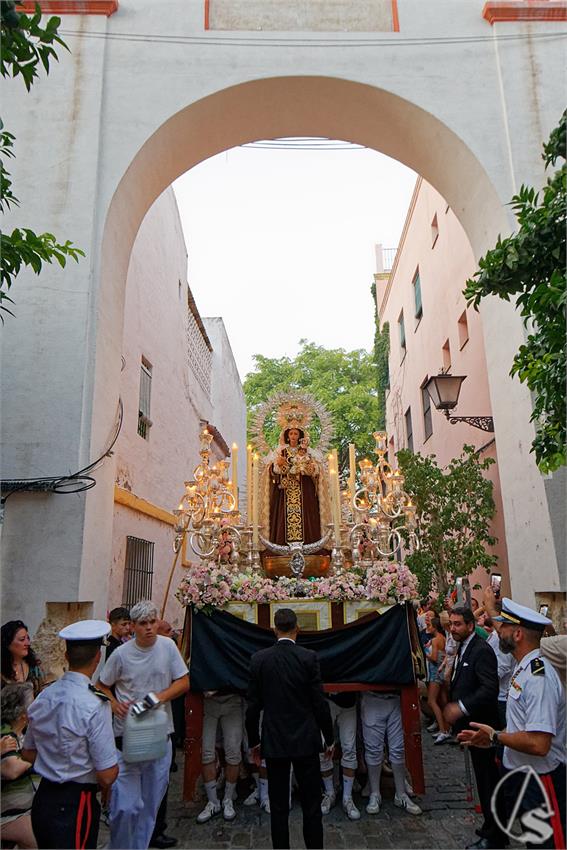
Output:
[[444, 390]]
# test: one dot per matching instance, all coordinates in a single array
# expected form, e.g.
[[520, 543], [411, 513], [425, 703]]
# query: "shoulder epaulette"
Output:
[[99, 694], [537, 667]]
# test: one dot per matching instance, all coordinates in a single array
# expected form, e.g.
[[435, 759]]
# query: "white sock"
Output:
[[374, 773], [211, 789], [399, 771], [229, 790], [263, 785], [347, 786], [328, 783]]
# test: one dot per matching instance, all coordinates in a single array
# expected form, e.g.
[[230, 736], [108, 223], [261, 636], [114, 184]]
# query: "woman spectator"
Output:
[[435, 652], [18, 780], [19, 663]]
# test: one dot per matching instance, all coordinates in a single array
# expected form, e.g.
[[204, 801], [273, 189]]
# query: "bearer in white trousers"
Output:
[[225, 709], [381, 722], [149, 664], [343, 712]]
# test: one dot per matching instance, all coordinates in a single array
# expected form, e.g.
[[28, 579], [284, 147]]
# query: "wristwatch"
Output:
[[495, 737]]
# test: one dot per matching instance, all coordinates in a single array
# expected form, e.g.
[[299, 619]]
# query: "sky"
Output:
[[281, 243]]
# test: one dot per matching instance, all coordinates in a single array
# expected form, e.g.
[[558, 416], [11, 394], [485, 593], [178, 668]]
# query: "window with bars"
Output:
[[409, 429], [144, 421], [427, 419], [417, 295], [402, 331], [138, 571]]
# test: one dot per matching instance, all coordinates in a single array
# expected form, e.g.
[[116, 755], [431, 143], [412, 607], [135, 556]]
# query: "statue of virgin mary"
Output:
[[295, 505]]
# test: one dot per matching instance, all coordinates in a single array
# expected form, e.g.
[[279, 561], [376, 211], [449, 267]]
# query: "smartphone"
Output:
[[543, 610], [459, 584], [495, 582]]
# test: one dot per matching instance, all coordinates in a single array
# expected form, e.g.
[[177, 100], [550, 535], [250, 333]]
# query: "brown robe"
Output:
[[294, 509]]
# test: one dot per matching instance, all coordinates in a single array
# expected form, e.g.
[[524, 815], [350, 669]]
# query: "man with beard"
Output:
[[534, 739], [473, 695]]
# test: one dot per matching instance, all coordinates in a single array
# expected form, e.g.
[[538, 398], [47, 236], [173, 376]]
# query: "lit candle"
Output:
[[249, 484], [234, 456], [335, 505], [352, 468], [337, 481], [255, 491]]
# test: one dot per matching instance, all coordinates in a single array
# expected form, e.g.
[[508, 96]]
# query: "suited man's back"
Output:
[[288, 684]]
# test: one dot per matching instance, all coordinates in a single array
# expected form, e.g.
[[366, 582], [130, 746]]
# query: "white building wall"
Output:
[[227, 396]]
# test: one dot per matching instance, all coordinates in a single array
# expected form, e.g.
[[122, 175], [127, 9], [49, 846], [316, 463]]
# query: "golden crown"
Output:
[[294, 414]]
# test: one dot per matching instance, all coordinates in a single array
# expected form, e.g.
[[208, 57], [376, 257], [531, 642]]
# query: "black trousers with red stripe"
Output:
[[528, 797], [65, 815]]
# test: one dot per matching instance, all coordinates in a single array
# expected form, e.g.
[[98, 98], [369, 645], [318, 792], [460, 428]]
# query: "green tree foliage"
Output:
[[454, 509], [345, 382], [529, 266], [381, 354], [25, 47]]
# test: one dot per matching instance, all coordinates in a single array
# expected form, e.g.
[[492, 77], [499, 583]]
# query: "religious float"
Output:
[[336, 556]]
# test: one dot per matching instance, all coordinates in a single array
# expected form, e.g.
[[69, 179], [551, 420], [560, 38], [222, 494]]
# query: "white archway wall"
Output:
[[118, 124]]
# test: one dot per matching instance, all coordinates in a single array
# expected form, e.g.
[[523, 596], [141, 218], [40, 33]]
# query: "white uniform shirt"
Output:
[[136, 670], [536, 703], [506, 665], [71, 729]]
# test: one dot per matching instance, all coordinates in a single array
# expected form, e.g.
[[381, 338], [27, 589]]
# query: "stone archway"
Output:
[[308, 106]]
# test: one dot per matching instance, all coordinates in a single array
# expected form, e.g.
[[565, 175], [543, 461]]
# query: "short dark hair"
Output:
[[464, 612], [118, 614], [80, 654], [285, 620]]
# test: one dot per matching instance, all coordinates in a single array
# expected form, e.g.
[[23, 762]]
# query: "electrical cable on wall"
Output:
[[76, 482]]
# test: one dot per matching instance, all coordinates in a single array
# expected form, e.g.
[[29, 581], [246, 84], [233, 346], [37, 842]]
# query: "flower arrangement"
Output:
[[206, 587]]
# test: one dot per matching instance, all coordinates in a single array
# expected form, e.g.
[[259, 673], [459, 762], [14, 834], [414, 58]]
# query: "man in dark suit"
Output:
[[473, 695], [285, 682]]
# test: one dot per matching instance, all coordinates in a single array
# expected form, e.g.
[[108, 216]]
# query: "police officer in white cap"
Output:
[[534, 737], [70, 741]]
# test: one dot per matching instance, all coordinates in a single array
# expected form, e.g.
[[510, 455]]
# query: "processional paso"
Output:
[[331, 548]]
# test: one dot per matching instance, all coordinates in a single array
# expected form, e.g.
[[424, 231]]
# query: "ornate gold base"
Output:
[[278, 565]]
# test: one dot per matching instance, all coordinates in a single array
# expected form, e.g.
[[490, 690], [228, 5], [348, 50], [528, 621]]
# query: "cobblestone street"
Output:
[[448, 819]]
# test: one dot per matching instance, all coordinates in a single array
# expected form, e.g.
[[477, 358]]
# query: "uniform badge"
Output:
[[99, 694], [537, 667]]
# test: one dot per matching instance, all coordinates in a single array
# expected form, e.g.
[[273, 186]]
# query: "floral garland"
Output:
[[386, 582]]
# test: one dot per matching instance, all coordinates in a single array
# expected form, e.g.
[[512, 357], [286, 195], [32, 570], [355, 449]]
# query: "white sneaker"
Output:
[[265, 805], [433, 727], [327, 803], [228, 812], [374, 804], [404, 802], [252, 798], [210, 810], [350, 809], [442, 738]]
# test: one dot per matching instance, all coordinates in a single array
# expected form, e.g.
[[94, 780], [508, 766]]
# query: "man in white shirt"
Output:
[[148, 664]]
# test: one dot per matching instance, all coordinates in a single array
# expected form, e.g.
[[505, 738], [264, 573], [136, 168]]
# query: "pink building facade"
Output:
[[431, 328], [178, 374]]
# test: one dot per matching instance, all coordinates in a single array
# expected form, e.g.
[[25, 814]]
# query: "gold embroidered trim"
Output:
[[293, 512]]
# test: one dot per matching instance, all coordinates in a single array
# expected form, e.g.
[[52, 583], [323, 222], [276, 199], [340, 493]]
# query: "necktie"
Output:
[[457, 662]]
